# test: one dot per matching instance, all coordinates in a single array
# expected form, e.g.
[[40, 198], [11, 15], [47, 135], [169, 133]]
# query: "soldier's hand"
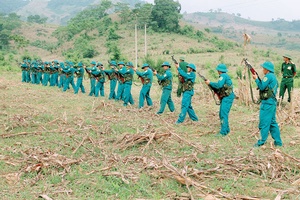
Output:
[[207, 82], [154, 72], [134, 69], [176, 65], [254, 76]]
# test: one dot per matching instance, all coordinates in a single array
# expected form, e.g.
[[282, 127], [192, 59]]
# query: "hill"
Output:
[[276, 34], [56, 11]]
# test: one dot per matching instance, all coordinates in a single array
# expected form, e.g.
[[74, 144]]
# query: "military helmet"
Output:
[[62, 65], [80, 64], [113, 63], [121, 63], [145, 65], [166, 64], [130, 64], [192, 66], [287, 56], [71, 64], [93, 63], [268, 66], [182, 58], [221, 68], [99, 64]]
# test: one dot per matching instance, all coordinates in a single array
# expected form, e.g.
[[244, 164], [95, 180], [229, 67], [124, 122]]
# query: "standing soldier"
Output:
[[288, 70], [92, 78], [120, 90], [183, 66], [52, 74], [56, 71], [127, 72], [225, 87], [46, 77], [112, 76], [24, 68], [40, 70], [188, 92], [34, 72], [267, 114], [61, 75], [100, 80], [146, 78], [165, 81], [79, 74]]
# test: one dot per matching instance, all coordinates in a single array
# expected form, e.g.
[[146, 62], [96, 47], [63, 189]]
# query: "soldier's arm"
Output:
[[218, 84]]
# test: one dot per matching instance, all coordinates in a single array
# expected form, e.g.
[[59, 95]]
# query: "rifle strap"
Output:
[[251, 89]]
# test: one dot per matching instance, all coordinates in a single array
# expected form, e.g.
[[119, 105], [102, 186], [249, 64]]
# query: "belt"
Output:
[[288, 77]]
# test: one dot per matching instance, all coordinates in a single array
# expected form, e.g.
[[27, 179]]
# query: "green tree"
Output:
[[36, 19], [166, 15]]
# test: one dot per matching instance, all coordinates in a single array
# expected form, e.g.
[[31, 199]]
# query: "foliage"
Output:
[[44, 45], [7, 25], [20, 41], [36, 19], [166, 15]]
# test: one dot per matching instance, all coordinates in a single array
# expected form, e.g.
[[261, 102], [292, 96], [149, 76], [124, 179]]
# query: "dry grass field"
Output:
[[64, 146]]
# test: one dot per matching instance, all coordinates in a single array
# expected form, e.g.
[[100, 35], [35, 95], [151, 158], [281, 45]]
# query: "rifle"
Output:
[[214, 91], [181, 79], [252, 70]]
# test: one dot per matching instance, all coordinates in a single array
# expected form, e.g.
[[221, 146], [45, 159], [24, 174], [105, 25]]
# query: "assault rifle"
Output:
[[214, 91], [252, 70], [181, 79]]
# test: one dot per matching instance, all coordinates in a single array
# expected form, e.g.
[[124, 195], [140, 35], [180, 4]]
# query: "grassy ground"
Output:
[[70, 146]]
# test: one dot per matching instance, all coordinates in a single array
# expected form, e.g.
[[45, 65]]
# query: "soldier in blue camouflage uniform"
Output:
[[147, 79], [120, 90], [112, 76], [225, 86], [165, 82], [267, 114], [80, 74], [100, 80], [127, 73], [187, 89]]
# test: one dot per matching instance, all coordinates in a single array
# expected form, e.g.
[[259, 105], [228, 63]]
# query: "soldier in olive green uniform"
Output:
[[183, 66], [288, 70]]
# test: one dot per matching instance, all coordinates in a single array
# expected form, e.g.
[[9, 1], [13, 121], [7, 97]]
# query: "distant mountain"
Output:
[[57, 11]]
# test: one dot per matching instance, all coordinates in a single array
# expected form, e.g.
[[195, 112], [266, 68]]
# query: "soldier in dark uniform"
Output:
[[288, 70], [183, 66]]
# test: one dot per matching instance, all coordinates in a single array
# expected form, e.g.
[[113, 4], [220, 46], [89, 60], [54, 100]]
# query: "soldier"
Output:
[[34, 71], [40, 70], [24, 68], [288, 70], [28, 62], [120, 90], [52, 74], [188, 92], [92, 78], [112, 76], [225, 87], [267, 114], [127, 72], [165, 81], [183, 66], [69, 72], [146, 78], [79, 73], [100, 80], [46, 77], [56, 72]]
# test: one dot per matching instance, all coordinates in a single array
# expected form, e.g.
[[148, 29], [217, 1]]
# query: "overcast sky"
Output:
[[262, 10]]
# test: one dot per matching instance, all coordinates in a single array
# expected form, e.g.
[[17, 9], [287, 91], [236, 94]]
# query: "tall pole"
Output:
[[136, 46], [145, 40]]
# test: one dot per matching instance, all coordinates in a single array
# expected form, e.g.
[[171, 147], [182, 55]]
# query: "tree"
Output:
[[166, 15], [36, 19]]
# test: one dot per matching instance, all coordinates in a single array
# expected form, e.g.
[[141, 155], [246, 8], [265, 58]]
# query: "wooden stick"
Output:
[[81, 143]]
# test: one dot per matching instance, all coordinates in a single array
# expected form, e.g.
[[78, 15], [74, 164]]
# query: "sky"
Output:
[[261, 10]]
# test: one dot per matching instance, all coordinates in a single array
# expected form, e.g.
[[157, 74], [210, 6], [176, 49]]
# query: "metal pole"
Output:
[[145, 40], [136, 46]]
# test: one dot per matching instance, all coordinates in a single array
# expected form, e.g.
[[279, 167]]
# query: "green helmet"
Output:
[[99, 64], [192, 66], [113, 63], [130, 64], [182, 58], [166, 64], [121, 63], [93, 63], [80, 64], [145, 65], [221, 68], [268, 65], [287, 56]]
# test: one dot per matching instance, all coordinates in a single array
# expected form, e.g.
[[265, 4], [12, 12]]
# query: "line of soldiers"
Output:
[[62, 75]]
